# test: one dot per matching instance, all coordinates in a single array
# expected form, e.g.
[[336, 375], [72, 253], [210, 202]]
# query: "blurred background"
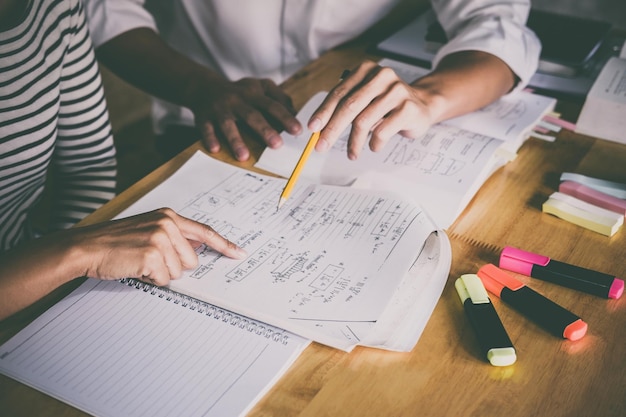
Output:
[[129, 108]]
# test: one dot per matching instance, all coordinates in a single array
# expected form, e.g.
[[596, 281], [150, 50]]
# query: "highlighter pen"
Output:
[[531, 304], [492, 337], [571, 276]]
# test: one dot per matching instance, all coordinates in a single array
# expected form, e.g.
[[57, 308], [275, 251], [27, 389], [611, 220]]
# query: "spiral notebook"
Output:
[[126, 348]]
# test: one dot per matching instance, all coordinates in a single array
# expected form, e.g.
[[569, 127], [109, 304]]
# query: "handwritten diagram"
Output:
[[446, 157], [321, 249], [329, 259]]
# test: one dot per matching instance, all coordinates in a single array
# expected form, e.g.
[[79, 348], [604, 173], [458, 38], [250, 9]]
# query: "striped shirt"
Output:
[[54, 125]]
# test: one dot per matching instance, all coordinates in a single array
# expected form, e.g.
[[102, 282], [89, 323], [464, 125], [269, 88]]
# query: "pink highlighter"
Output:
[[571, 276]]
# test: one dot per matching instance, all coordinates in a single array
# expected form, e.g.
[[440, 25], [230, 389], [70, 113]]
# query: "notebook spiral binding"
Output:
[[269, 332]]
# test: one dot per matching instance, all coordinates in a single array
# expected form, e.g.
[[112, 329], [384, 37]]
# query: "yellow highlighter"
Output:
[[494, 341], [291, 182]]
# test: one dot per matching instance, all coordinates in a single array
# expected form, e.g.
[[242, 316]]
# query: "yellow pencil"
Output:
[[298, 168]]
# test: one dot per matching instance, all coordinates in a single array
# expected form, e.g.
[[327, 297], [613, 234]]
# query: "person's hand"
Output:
[[154, 247], [223, 108], [375, 101]]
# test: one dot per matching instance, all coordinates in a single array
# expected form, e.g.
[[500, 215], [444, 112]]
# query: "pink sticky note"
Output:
[[594, 197]]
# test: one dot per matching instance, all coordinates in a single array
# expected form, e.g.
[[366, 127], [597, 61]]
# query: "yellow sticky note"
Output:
[[583, 214]]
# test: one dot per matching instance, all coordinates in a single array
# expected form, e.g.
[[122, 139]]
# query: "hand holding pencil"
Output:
[[293, 178], [344, 88]]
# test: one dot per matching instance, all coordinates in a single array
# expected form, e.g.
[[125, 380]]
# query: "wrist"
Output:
[[463, 82], [430, 92], [33, 270], [76, 254]]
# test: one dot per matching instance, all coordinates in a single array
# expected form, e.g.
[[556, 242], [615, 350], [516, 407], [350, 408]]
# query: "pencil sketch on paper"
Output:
[[326, 264], [325, 253]]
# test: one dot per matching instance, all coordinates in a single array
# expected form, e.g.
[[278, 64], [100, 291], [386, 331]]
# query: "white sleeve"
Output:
[[497, 27], [110, 18]]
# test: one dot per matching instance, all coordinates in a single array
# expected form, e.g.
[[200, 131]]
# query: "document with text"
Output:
[[336, 265], [441, 171], [511, 118], [325, 266]]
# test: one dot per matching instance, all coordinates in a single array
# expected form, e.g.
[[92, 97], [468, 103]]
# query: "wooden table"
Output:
[[445, 374]]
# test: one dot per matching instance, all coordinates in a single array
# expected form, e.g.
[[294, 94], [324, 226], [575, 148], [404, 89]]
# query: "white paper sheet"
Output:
[[441, 171], [602, 115], [325, 266], [510, 118], [112, 349]]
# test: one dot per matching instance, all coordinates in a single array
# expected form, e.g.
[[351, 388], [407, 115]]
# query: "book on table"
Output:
[[602, 114], [125, 348]]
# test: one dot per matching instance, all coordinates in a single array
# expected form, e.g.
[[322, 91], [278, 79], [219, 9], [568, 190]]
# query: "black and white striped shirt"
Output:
[[54, 123]]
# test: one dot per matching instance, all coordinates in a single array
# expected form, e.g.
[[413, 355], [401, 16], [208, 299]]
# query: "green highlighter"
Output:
[[493, 338]]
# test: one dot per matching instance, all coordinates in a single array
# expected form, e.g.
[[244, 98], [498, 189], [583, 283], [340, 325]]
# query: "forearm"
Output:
[[33, 270], [153, 246], [464, 82], [144, 60]]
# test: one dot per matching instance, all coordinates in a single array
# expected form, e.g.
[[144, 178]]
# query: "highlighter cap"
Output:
[[521, 261], [470, 286], [617, 289], [575, 330], [494, 279], [503, 356]]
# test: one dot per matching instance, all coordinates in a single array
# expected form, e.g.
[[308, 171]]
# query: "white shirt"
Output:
[[274, 38]]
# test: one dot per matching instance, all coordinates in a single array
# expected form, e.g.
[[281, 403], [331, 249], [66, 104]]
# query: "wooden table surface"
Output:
[[445, 375]]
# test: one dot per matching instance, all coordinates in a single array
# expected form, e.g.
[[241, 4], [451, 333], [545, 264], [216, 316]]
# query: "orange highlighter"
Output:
[[546, 313]]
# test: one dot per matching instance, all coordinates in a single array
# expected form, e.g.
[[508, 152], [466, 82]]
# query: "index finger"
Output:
[[343, 104], [206, 234], [324, 112]]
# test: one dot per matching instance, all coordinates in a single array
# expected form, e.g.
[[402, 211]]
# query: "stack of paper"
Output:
[[441, 171], [326, 266], [603, 113], [337, 265]]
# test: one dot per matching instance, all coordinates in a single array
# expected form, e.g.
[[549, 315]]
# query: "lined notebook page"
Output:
[[126, 348]]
